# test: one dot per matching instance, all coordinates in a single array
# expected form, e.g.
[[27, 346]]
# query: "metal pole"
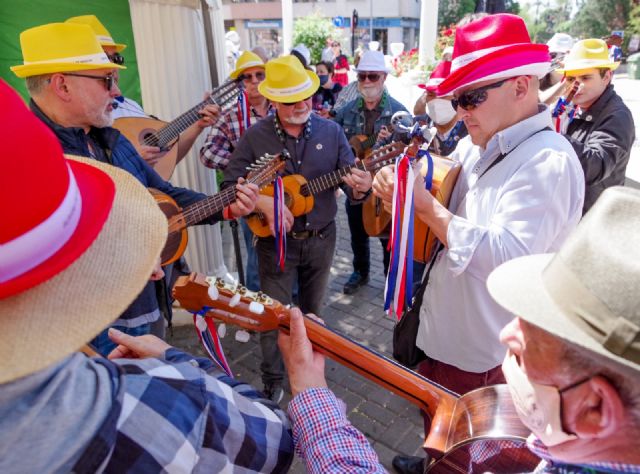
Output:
[[428, 31], [287, 26], [370, 20]]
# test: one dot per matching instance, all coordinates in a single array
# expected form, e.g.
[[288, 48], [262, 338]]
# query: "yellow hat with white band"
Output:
[[61, 47], [246, 60], [288, 81], [104, 37], [587, 54]]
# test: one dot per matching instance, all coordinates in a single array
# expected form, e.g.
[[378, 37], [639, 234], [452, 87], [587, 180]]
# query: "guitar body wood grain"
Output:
[[178, 236]]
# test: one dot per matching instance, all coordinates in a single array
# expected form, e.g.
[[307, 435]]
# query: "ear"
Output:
[[60, 87], [522, 85], [602, 412]]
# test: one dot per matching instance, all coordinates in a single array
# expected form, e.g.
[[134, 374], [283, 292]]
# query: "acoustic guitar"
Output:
[[477, 432], [361, 145], [152, 132], [298, 192], [261, 173], [377, 220]]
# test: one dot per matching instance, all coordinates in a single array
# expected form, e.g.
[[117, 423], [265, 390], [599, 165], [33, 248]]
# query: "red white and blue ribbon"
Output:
[[279, 222], [563, 114], [399, 284], [208, 335], [244, 113]]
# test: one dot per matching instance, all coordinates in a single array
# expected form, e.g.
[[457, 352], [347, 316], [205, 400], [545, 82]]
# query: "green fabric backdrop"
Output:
[[19, 15]]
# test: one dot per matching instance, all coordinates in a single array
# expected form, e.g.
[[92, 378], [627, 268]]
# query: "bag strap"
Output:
[[417, 299]]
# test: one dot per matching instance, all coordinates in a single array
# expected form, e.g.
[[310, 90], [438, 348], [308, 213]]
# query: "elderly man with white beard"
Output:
[[368, 115]]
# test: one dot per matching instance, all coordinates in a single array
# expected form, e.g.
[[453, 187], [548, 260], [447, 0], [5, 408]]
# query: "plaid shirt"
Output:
[[549, 465], [324, 438], [223, 137], [172, 417]]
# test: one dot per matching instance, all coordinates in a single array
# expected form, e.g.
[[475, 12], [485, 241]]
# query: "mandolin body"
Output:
[[178, 236], [136, 129]]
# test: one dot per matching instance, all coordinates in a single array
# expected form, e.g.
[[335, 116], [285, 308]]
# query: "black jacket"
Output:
[[602, 138]]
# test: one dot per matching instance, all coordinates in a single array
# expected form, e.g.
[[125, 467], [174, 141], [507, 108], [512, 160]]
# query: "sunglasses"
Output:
[[291, 104], [116, 58], [109, 79], [249, 77], [372, 76], [471, 99]]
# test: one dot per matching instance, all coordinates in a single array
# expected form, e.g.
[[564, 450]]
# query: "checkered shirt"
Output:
[[182, 414], [324, 438], [223, 137], [549, 465]]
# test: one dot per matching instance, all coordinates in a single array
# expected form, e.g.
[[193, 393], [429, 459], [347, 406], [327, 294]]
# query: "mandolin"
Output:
[[152, 132], [261, 173], [477, 432], [361, 145], [298, 192]]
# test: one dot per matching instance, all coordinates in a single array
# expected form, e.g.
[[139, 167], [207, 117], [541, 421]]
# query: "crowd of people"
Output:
[[533, 284]]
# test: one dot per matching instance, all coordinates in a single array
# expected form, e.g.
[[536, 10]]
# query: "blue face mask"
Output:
[[323, 78]]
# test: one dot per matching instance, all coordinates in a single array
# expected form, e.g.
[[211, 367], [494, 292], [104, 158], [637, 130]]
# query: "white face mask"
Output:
[[440, 111], [538, 405]]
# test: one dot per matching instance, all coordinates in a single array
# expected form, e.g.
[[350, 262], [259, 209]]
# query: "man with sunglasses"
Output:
[[602, 131], [72, 85], [224, 135], [317, 147], [369, 115], [520, 192], [127, 107]]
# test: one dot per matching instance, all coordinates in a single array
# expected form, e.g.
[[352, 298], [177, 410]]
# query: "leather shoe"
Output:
[[408, 464], [355, 281]]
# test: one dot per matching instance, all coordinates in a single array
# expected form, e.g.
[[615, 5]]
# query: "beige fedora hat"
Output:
[[588, 292], [78, 245]]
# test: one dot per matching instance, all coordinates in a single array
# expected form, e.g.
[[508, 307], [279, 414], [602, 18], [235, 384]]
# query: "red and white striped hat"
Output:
[[438, 75], [494, 47]]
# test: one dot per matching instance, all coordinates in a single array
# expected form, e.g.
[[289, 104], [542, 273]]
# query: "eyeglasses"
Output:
[[249, 77], [116, 58], [291, 104], [372, 76], [109, 79], [469, 100]]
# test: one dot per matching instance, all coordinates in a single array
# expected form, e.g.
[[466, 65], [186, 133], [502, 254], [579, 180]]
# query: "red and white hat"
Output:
[[494, 47], [438, 75], [78, 242]]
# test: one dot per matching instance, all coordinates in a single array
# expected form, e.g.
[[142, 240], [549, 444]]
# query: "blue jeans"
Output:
[[104, 345], [251, 276], [359, 238], [308, 264]]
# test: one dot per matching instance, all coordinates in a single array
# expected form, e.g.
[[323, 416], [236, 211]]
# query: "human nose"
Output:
[[511, 336]]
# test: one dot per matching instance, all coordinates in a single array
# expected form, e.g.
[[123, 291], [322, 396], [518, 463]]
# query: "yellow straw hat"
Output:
[[588, 54], [246, 60], [104, 37], [288, 81], [60, 47]]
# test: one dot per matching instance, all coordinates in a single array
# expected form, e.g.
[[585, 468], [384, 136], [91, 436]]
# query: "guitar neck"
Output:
[[381, 370], [199, 211], [172, 130]]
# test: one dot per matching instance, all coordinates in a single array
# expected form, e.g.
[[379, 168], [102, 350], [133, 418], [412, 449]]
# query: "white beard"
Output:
[[299, 119]]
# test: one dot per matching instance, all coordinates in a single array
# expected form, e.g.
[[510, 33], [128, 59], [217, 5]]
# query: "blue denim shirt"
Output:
[[114, 148], [351, 116]]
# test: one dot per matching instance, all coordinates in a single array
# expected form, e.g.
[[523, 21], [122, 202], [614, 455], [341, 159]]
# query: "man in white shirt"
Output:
[[520, 192]]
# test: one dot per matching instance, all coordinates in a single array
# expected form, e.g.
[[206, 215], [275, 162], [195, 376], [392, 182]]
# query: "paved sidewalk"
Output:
[[391, 424]]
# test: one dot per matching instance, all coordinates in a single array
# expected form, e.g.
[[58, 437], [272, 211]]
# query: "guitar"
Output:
[[377, 220], [152, 132], [462, 427], [361, 145], [262, 173], [298, 192]]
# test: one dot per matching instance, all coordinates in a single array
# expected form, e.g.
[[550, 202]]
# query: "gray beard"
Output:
[[299, 120]]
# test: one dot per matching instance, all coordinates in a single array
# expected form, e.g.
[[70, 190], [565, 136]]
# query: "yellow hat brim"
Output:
[[581, 69], [28, 70], [297, 97]]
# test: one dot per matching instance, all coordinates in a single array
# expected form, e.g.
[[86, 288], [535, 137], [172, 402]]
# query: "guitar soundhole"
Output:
[[148, 137]]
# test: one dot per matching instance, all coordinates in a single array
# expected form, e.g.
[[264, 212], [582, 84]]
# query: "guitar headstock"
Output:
[[384, 156], [228, 302], [264, 170], [225, 93]]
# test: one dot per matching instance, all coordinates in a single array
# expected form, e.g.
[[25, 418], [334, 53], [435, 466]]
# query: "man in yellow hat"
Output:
[[72, 85], [64, 276], [126, 107], [225, 133], [602, 131], [317, 147]]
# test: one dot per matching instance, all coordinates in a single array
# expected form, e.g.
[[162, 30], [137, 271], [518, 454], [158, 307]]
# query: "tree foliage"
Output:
[[313, 31], [451, 11], [597, 18]]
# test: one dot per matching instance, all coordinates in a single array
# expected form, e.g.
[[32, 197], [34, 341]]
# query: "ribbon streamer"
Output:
[[399, 283], [563, 114], [244, 114], [279, 223], [208, 335]]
